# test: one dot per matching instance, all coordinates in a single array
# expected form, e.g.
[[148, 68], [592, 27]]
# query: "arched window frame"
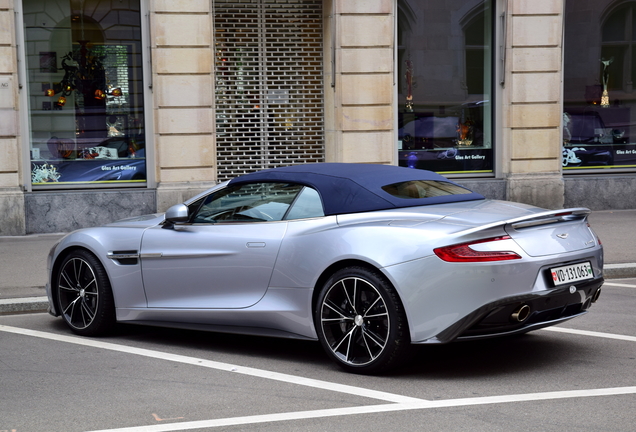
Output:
[[620, 51]]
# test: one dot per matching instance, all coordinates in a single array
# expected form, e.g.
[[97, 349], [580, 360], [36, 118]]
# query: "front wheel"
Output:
[[361, 322], [84, 295]]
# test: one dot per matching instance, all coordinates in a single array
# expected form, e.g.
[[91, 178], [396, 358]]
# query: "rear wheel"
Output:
[[84, 295], [361, 322]]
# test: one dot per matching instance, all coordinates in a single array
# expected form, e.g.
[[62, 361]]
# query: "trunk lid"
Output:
[[553, 232]]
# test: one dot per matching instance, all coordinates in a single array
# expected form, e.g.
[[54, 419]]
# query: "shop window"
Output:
[[599, 101], [445, 86], [85, 93]]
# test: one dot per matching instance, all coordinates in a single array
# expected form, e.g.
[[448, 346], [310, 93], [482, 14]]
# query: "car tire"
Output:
[[361, 322], [84, 294]]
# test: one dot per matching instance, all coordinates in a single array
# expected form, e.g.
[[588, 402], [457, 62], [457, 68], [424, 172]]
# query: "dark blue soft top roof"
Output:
[[353, 188]]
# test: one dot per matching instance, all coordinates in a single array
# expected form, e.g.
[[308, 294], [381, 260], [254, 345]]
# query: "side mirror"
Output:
[[175, 214]]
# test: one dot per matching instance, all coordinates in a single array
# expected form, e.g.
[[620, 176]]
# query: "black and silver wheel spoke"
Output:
[[366, 344], [68, 281], [351, 299], [376, 339], [70, 306], [342, 314], [347, 347], [89, 312], [369, 311]]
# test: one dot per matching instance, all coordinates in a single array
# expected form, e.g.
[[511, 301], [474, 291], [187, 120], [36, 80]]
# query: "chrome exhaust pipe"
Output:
[[596, 295], [521, 313]]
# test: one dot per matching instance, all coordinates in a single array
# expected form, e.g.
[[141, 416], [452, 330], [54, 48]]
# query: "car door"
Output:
[[224, 256]]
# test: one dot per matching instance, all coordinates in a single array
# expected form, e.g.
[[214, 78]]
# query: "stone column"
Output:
[[533, 103], [183, 89], [359, 111], [12, 221]]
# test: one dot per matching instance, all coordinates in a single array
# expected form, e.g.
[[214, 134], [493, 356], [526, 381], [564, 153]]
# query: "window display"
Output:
[[600, 68], [86, 111], [445, 85]]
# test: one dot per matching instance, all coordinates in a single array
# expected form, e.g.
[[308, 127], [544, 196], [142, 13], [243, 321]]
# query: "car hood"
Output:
[[143, 221]]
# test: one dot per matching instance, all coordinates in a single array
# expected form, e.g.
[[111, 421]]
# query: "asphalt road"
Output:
[[580, 376]]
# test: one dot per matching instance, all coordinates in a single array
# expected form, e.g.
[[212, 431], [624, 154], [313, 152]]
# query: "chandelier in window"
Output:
[[83, 74]]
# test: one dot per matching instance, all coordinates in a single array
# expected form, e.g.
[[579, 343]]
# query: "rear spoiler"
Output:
[[536, 219], [551, 217]]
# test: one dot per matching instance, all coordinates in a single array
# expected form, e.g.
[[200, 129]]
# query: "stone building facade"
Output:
[[167, 88]]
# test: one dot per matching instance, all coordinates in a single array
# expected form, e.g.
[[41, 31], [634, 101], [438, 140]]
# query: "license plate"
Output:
[[572, 273]]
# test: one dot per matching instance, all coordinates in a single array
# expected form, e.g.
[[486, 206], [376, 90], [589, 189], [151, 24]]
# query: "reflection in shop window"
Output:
[[85, 89], [445, 85], [599, 102]]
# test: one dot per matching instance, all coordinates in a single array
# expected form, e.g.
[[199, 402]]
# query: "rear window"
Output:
[[423, 189]]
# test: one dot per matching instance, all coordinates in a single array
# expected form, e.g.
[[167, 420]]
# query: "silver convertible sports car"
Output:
[[366, 259]]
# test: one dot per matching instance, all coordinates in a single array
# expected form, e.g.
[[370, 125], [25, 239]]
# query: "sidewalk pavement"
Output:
[[23, 260]]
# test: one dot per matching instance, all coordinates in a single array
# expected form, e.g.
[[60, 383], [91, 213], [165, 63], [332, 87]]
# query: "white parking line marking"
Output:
[[591, 333], [372, 409], [401, 403], [291, 379], [619, 284]]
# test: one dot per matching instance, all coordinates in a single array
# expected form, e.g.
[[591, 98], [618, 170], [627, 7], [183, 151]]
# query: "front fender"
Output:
[[125, 279]]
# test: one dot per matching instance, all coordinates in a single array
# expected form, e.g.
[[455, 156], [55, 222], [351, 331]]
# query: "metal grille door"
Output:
[[269, 84]]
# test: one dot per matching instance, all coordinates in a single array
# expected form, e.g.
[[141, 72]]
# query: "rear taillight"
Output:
[[463, 253]]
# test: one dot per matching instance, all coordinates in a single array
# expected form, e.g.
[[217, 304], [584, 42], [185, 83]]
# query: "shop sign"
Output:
[[88, 171]]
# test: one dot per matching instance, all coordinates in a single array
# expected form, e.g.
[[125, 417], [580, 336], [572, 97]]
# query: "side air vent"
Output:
[[127, 257]]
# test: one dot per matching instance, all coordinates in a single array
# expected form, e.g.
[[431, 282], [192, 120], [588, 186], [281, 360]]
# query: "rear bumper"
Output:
[[545, 309]]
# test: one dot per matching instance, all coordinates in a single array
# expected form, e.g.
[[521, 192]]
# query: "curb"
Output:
[[24, 305], [619, 271]]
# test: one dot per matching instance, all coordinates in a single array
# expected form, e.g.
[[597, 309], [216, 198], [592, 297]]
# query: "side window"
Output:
[[192, 208], [307, 205], [254, 202]]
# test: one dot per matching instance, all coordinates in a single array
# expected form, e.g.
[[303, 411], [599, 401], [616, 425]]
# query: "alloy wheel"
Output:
[[355, 321], [78, 293]]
